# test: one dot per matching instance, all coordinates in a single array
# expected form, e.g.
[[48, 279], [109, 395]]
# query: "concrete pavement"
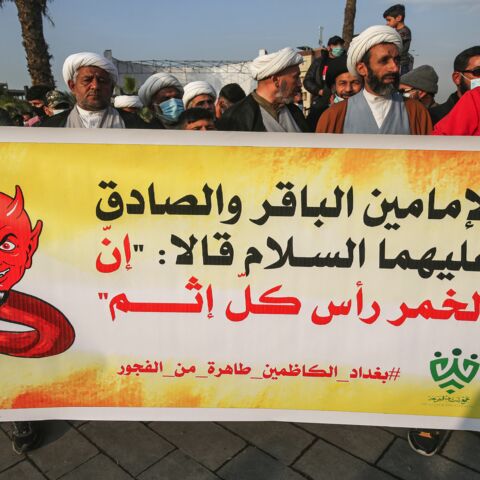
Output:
[[232, 451]]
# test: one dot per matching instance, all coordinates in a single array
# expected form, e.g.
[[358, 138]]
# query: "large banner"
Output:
[[179, 275]]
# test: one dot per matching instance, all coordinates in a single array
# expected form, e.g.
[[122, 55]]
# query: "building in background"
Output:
[[4, 90], [216, 72]]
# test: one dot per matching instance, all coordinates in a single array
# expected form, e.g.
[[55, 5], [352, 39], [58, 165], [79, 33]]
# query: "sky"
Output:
[[227, 30]]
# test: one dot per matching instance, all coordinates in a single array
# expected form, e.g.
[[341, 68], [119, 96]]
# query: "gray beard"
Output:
[[281, 100]]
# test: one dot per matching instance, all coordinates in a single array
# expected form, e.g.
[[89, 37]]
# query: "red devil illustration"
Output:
[[51, 332]]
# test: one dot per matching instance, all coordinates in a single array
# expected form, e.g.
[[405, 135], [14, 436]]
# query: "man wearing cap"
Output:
[[342, 85], [199, 94], [91, 78], [421, 83], [162, 93], [270, 107], [378, 108]]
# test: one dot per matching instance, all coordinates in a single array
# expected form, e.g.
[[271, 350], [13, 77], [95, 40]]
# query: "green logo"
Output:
[[453, 373]]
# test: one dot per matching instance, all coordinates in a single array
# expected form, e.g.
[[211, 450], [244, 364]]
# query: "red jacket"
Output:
[[464, 118]]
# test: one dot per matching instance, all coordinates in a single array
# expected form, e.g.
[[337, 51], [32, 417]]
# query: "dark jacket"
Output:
[[313, 81], [130, 119], [439, 111], [319, 105], [245, 116]]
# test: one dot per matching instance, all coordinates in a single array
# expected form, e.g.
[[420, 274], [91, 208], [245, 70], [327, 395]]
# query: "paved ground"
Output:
[[232, 451]]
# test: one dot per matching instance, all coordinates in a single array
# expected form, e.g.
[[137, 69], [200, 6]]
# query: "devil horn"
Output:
[[16, 206]]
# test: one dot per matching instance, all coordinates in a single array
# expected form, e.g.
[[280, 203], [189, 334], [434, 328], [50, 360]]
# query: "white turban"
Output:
[[265, 66], [193, 89], [155, 83], [366, 40], [87, 59], [126, 101]]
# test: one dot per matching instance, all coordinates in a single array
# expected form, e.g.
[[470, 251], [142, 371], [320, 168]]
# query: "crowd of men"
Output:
[[369, 88]]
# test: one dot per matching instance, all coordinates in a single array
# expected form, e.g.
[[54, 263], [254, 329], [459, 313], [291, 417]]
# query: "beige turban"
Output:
[[265, 66], [155, 83], [127, 101], [193, 89], [87, 59], [366, 40]]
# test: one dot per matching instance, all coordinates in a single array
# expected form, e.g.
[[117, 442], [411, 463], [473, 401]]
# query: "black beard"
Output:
[[463, 87], [377, 85]]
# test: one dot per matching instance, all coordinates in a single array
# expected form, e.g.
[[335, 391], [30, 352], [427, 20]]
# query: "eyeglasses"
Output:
[[406, 90], [475, 72]]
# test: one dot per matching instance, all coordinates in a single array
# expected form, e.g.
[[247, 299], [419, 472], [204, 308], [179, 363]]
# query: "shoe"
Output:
[[427, 442], [24, 437]]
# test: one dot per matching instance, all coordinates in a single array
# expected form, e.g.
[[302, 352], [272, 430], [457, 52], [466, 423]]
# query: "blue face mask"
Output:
[[337, 51], [171, 109]]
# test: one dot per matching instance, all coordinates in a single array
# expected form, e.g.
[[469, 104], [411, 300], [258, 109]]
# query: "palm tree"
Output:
[[30, 15], [129, 86], [349, 21]]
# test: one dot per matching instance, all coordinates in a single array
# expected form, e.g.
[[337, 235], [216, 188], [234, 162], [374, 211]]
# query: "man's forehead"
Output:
[[36, 103], [346, 77], [201, 123], [384, 49], [293, 70], [202, 97], [473, 62], [91, 70], [166, 91]]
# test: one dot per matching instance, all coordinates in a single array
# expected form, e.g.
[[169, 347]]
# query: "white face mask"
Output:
[[474, 83]]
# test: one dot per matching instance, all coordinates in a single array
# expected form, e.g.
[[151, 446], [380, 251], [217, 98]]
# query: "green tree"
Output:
[[30, 15], [129, 86]]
